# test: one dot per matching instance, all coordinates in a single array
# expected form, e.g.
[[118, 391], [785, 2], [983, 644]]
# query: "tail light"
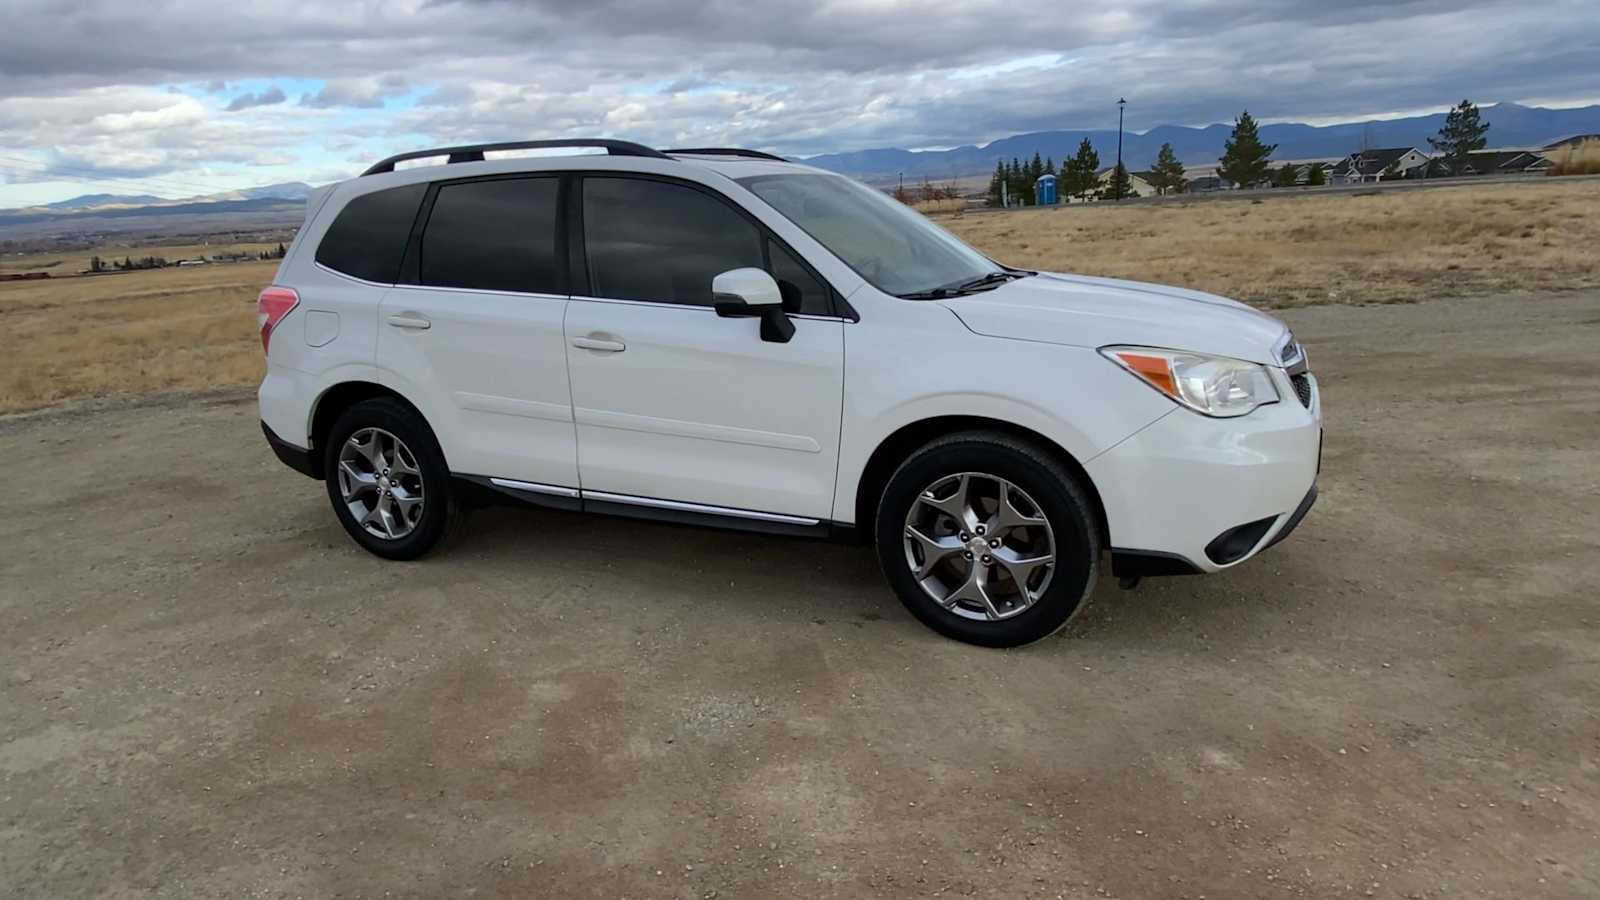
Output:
[[271, 306]]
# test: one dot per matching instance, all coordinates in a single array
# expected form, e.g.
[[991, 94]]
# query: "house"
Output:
[[1137, 185], [1485, 162], [1573, 141], [1376, 165]]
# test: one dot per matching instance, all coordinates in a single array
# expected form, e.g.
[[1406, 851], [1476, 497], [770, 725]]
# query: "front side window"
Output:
[[893, 247], [653, 240], [495, 235], [368, 239]]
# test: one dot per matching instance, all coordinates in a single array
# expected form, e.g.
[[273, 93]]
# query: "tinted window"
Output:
[[368, 239], [650, 240], [497, 235], [813, 293]]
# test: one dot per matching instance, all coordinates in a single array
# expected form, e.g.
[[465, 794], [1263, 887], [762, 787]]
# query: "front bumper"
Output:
[[1184, 483]]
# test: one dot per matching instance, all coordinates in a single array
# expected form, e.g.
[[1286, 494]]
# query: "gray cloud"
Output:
[[358, 93], [797, 78], [267, 97]]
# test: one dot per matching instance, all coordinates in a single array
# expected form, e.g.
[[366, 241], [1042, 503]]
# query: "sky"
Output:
[[180, 97]]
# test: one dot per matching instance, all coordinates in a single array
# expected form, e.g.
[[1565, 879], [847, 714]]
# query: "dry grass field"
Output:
[[72, 262], [194, 328], [1352, 247], [132, 333]]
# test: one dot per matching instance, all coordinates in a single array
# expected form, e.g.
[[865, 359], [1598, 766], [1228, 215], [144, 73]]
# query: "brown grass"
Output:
[[71, 262], [194, 328], [132, 333], [1582, 158], [940, 207], [1356, 247]]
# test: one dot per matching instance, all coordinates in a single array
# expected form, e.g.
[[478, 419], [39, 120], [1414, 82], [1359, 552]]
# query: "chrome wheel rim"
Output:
[[979, 546], [380, 483]]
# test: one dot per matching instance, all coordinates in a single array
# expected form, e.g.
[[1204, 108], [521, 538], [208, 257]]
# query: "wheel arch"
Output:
[[899, 446], [332, 403]]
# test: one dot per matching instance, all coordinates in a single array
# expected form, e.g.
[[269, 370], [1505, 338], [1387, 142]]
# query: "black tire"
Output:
[[441, 512], [1059, 497]]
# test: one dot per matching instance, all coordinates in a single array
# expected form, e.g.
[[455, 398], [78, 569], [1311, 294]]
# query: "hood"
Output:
[[1093, 312]]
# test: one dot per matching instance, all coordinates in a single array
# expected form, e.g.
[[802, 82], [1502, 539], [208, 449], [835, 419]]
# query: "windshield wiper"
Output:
[[985, 282]]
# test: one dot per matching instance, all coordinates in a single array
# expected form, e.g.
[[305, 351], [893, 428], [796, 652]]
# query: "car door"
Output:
[[475, 335], [673, 403]]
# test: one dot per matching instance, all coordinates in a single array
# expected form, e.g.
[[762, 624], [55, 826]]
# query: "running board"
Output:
[[559, 497]]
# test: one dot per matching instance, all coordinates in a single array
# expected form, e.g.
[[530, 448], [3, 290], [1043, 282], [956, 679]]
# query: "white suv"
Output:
[[725, 338]]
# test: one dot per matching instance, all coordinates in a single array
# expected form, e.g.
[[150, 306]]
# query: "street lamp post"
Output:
[[1116, 174]]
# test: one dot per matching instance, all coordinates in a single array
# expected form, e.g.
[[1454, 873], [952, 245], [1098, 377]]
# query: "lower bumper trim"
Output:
[[296, 458], [1295, 517], [1148, 563]]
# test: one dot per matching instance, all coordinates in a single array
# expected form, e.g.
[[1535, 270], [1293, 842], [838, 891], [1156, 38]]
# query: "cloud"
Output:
[[359, 93], [267, 97], [795, 78]]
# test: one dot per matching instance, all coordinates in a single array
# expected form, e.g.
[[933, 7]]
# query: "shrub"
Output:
[[1582, 158]]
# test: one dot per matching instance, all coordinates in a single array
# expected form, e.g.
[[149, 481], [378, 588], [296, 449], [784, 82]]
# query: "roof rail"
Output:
[[726, 151], [474, 152]]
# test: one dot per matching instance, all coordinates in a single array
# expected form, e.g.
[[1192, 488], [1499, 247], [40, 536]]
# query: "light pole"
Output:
[[1116, 174]]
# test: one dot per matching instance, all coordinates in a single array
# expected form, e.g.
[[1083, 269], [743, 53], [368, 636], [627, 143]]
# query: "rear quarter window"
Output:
[[368, 238]]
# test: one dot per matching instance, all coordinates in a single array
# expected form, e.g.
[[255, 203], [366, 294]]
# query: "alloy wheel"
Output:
[[381, 483], [979, 546]]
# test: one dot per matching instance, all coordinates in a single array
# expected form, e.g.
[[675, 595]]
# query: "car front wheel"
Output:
[[987, 539]]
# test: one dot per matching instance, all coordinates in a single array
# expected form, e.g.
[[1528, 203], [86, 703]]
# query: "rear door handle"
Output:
[[410, 320], [601, 344]]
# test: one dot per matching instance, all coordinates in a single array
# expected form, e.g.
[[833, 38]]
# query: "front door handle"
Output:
[[601, 344], [411, 320]]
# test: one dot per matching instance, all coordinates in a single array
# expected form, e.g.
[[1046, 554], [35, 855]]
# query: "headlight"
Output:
[[1210, 385]]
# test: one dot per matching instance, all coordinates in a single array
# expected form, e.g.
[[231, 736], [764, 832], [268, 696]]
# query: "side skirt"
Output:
[[724, 518]]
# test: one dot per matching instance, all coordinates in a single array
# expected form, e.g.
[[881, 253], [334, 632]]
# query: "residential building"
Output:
[[1485, 162], [1376, 165]]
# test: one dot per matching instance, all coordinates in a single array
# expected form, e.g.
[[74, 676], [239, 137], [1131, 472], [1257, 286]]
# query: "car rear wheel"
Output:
[[987, 539], [387, 480]]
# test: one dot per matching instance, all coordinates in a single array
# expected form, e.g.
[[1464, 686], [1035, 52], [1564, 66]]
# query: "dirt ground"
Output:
[[206, 690]]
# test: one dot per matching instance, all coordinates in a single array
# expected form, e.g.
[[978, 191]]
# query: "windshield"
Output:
[[884, 241]]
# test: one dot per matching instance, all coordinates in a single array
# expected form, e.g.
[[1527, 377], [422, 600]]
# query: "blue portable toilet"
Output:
[[1044, 190]]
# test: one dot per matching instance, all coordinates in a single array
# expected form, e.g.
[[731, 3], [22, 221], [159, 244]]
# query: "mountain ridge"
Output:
[[118, 203], [1511, 125]]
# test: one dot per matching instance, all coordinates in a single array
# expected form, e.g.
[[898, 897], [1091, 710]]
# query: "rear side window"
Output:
[[368, 239], [497, 235], [651, 240]]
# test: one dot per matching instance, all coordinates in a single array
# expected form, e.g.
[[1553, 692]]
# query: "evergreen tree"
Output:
[[1245, 160], [1016, 181], [95, 265], [1036, 168], [1287, 175], [997, 183], [1316, 177], [1464, 131], [1049, 166], [1118, 185], [1167, 173], [1077, 173]]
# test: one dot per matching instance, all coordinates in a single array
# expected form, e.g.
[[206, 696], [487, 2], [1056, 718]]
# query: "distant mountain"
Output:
[[142, 204], [89, 201], [36, 216], [1511, 125]]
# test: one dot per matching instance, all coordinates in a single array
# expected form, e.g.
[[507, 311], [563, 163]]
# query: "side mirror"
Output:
[[752, 293]]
